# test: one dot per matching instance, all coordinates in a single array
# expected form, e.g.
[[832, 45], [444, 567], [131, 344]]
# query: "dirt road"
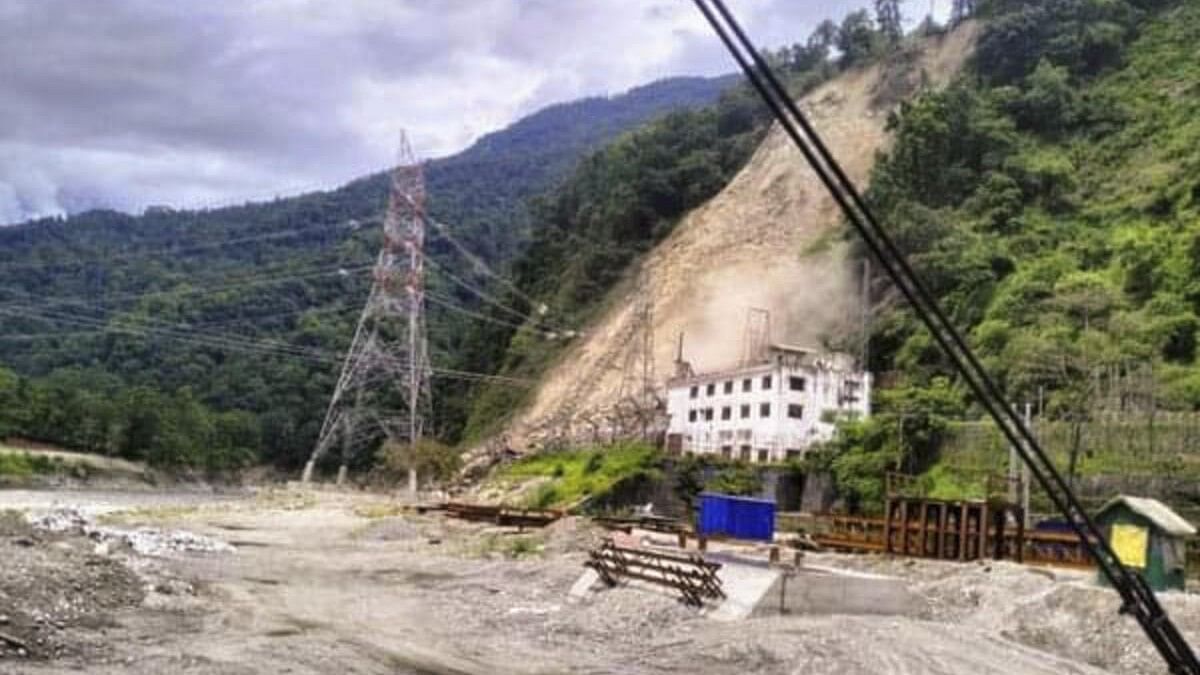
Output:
[[334, 583]]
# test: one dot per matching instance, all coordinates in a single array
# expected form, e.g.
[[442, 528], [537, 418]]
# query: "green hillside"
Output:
[[129, 334], [1051, 199]]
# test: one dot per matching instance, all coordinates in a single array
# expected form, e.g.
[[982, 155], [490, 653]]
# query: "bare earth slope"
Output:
[[769, 240]]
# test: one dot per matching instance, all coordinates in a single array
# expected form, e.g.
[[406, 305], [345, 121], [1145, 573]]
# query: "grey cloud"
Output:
[[125, 103]]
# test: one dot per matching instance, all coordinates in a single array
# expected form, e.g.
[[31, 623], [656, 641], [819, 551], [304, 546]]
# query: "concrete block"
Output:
[[821, 590], [583, 586], [745, 585]]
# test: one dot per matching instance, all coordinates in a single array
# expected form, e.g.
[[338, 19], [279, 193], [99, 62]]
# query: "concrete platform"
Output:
[[823, 590], [753, 588]]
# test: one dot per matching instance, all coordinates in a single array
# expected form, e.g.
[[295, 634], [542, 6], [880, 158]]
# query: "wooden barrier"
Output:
[[694, 577]]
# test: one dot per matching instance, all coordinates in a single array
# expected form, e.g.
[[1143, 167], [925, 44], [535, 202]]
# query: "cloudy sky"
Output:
[[125, 103]]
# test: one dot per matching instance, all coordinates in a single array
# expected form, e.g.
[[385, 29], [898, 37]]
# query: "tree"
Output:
[[961, 10], [856, 38], [9, 402], [815, 51], [889, 20], [902, 435], [433, 461], [824, 36], [1048, 102], [236, 438]]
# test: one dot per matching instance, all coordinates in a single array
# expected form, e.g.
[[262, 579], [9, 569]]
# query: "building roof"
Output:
[[784, 347], [1156, 512], [730, 373]]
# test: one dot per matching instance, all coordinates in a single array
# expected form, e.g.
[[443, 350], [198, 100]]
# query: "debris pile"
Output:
[[1062, 612], [52, 583], [149, 541]]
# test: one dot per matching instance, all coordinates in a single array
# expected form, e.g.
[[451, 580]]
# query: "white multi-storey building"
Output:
[[769, 411]]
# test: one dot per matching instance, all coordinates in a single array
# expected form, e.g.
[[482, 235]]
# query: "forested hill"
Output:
[[1051, 200], [144, 335]]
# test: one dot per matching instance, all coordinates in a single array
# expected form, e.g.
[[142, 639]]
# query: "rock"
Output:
[[149, 541]]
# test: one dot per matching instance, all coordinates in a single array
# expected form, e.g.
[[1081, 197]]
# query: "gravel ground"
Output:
[[52, 584], [1060, 611], [353, 584]]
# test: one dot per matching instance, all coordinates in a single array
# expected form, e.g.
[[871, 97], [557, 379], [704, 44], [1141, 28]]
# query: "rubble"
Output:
[[50, 584], [149, 541]]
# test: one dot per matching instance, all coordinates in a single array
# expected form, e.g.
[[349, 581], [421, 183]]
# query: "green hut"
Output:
[[1149, 538]]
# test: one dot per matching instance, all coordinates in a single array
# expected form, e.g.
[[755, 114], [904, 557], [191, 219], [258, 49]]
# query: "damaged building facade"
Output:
[[770, 410]]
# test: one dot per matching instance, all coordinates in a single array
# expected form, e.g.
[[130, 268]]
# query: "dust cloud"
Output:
[[772, 239], [811, 301]]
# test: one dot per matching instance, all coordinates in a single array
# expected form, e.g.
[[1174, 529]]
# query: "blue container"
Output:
[[736, 517]]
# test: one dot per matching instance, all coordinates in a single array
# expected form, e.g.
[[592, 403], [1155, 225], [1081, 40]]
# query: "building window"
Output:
[[727, 451], [746, 384], [766, 382], [796, 383], [745, 411], [711, 390], [793, 453], [746, 453], [763, 455], [726, 413], [692, 415], [695, 391], [764, 409], [745, 434], [729, 387], [725, 435], [708, 414], [795, 411]]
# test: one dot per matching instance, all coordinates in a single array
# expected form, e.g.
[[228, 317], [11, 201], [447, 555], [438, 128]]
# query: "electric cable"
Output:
[[1137, 598]]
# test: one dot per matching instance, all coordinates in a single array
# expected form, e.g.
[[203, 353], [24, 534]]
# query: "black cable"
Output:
[[1136, 594]]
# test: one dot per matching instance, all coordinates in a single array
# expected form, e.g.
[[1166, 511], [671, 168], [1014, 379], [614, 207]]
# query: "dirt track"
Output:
[[341, 584]]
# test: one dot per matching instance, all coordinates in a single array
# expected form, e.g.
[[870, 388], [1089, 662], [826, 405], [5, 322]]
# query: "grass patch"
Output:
[[576, 475], [943, 482], [18, 464], [286, 499], [511, 546], [148, 514], [378, 510]]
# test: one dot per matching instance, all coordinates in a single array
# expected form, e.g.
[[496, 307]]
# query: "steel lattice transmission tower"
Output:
[[384, 389]]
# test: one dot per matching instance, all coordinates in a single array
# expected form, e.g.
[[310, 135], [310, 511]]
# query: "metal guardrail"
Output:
[[867, 535], [499, 515], [653, 523]]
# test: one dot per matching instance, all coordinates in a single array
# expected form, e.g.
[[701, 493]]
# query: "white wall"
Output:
[[824, 389]]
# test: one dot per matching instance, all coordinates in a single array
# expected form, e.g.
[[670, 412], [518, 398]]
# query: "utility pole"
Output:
[[865, 308], [637, 388], [1025, 472], [389, 346]]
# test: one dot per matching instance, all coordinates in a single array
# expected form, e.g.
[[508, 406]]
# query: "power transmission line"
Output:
[[246, 282], [479, 264], [137, 255], [481, 294], [446, 303], [230, 343]]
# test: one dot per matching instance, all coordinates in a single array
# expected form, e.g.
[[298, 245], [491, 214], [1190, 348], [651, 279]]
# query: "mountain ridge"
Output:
[[98, 292]]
